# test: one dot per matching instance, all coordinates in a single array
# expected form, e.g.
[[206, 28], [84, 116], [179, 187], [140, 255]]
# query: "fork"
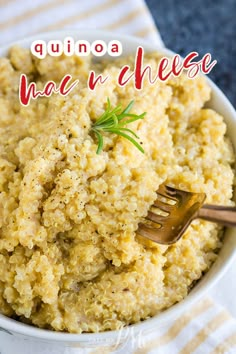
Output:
[[174, 210]]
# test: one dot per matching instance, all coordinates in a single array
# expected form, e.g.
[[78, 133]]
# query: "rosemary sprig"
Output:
[[114, 120]]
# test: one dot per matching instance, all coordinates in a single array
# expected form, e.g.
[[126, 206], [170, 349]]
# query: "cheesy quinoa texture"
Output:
[[70, 258]]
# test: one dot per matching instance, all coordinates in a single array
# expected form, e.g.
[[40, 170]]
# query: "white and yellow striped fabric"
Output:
[[207, 328], [21, 18]]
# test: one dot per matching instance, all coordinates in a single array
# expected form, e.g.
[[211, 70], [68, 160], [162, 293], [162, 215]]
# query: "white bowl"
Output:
[[218, 102]]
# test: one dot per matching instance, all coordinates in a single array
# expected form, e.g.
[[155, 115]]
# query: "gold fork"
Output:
[[174, 210]]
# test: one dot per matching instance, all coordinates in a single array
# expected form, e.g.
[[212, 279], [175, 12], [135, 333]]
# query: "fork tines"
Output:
[[168, 192]]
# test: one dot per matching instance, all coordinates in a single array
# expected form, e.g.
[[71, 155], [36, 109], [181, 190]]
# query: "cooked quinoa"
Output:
[[70, 257]]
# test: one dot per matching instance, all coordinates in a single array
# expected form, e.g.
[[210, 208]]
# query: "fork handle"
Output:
[[220, 214]]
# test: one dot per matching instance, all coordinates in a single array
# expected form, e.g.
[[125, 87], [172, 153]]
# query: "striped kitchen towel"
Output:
[[206, 328], [21, 18]]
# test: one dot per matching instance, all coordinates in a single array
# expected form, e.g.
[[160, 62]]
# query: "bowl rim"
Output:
[[11, 325]]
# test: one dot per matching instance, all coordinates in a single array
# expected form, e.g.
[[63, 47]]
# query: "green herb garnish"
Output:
[[114, 120]]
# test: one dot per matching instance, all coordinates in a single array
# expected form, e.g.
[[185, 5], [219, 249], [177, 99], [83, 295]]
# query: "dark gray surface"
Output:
[[204, 26]]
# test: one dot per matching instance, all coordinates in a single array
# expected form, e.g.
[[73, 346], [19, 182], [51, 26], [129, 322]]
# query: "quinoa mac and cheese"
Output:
[[70, 257]]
